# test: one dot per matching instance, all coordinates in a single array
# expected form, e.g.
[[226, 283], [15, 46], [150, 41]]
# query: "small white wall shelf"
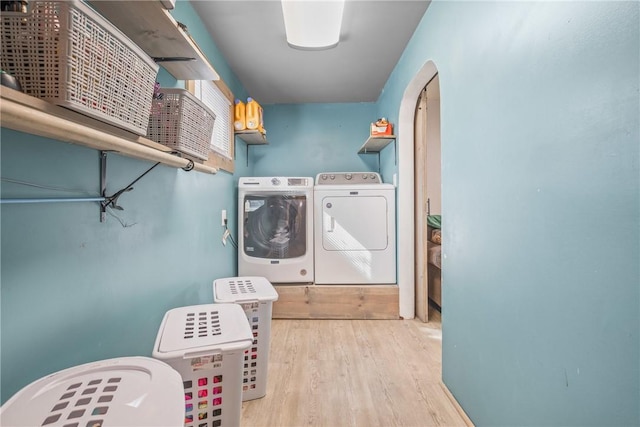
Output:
[[252, 137], [375, 144], [149, 25]]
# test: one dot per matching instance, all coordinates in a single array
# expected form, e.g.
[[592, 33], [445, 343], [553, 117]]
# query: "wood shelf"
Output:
[[375, 144], [252, 137], [25, 113], [149, 25]]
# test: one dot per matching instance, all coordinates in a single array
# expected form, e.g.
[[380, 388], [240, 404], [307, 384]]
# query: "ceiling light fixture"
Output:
[[312, 24]]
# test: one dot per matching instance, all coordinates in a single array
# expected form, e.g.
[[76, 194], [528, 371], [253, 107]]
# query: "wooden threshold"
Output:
[[336, 302]]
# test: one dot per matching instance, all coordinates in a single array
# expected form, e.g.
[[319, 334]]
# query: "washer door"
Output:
[[354, 223], [275, 226]]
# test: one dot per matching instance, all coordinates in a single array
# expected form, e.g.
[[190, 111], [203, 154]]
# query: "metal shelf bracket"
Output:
[[112, 201]]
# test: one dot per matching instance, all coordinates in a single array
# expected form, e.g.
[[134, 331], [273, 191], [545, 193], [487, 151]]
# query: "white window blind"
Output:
[[213, 98]]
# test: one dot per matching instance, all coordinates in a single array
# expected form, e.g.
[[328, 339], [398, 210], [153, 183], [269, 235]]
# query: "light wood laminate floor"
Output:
[[354, 373]]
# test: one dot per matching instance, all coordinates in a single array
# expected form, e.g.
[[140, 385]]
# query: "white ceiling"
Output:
[[251, 37]]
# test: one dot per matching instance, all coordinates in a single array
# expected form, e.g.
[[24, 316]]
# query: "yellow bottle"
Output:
[[253, 114], [261, 124], [239, 116]]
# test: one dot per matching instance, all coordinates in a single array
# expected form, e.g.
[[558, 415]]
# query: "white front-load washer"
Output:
[[275, 228], [355, 231]]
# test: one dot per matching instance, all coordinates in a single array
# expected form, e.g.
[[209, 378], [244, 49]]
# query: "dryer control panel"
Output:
[[348, 178]]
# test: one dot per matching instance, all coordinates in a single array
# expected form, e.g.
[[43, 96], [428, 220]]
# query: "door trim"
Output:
[[406, 229], [420, 182]]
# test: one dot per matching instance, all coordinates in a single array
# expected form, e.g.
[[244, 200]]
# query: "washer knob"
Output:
[[275, 181], [324, 176], [365, 176], [332, 176], [348, 176], [372, 176]]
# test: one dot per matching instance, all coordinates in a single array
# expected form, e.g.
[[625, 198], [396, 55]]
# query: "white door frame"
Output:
[[406, 229]]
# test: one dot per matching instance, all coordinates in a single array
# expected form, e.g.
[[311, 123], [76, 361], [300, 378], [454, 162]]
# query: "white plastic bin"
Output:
[[255, 295], [127, 391], [205, 344]]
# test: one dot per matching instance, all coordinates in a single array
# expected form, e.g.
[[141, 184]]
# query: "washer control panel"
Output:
[[348, 178], [275, 182]]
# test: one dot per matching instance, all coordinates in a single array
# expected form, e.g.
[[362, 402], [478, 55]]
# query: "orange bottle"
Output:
[[239, 116], [253, 114]]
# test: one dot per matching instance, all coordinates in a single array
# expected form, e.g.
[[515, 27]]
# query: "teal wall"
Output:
[[76, 290], [541, 198], [306, 139], [540, 203]]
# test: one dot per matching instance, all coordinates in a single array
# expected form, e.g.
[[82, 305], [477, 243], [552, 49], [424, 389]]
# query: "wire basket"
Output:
[[181, 121], [67, 54]]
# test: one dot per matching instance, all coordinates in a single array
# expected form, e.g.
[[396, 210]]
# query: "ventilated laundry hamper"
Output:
[[127, 391], [205, 344], [255, 295]]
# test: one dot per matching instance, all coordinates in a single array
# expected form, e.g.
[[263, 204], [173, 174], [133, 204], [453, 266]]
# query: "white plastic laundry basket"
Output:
[[127, 391], [255, 295], [205, 344]]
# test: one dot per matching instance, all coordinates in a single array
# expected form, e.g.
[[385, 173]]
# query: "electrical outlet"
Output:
[[224, 217]]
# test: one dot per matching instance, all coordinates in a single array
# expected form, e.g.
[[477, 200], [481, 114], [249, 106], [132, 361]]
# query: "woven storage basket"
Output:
[[181, 121], [66, 53]]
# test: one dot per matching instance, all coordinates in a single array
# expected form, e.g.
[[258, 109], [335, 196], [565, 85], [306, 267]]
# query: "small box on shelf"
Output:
[[381, 127]]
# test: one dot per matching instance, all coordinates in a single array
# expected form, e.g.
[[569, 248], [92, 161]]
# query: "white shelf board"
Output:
[[375, 144], [252, 137]]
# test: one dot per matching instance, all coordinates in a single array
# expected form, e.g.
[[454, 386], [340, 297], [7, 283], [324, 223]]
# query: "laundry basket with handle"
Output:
[[205, 344], [126, 391]]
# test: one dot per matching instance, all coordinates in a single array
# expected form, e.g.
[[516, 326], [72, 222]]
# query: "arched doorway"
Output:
[[406, 188], [428, 201]]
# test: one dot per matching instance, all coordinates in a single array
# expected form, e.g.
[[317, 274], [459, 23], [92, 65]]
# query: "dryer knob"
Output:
[[275, 181], [348, 176], [372, 176], [365, 176], [332, 177], [324, 176]]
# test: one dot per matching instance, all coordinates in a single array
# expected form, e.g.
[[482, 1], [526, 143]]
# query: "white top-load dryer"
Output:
[[275, 228], [355, 229]]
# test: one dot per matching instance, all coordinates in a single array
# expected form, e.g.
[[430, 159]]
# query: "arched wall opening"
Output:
[[406, 172]]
